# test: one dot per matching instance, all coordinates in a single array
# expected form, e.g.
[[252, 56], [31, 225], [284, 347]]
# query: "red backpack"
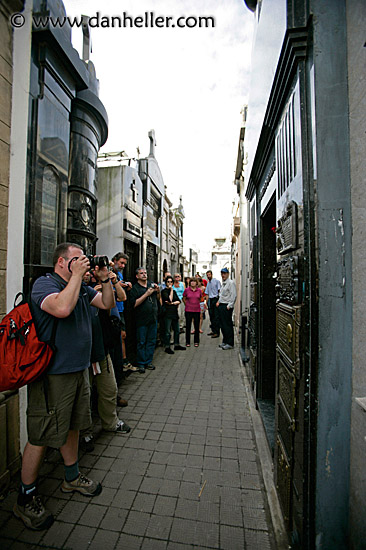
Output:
[[23, 357]]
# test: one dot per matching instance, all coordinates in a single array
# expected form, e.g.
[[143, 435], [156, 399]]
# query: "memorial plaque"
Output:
[[288, 320], [288, 280], [287, 229], [286, 388], [283, 480]]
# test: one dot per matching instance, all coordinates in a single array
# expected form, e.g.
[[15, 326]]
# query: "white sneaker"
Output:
[[227, 346], [222, 345]]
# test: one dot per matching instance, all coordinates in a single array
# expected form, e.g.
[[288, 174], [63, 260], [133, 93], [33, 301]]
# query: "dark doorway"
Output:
[[133, 252], [266, 379]]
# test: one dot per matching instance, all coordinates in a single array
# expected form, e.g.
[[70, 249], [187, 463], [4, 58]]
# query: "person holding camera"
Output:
[[59, 403], [144, 301]]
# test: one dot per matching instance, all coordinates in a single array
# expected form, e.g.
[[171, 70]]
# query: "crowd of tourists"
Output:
[[107, 328]]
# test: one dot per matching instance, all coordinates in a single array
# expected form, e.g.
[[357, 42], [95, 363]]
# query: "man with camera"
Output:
[[59, 403], [144, 300]]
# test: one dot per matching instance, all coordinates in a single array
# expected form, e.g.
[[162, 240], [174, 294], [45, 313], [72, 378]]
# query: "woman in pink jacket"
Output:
[[192, 301]]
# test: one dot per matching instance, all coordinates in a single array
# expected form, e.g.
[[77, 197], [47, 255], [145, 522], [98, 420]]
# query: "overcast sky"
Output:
[[189, 85]]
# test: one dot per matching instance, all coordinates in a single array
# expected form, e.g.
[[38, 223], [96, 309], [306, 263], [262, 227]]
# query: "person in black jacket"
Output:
[[170, 303]]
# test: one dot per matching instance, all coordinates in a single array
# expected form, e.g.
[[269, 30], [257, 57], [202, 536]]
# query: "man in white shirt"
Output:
[[225, 307]]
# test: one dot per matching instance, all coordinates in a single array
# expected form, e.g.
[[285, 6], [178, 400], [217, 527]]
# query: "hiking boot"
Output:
[[82, 485], [33, 514]]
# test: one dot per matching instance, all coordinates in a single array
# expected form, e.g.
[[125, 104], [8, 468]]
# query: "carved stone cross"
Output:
[[152, 143]]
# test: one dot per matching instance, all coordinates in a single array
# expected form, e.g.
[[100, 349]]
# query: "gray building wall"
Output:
[[356, 23], [334, 273]]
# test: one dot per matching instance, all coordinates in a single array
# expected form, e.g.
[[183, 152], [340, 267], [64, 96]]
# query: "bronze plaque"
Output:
[[288, 320], [288, 282], [286, 387], [285, 427], [283, 480], [287, 229]]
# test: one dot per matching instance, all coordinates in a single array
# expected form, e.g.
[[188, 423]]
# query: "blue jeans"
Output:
[[146, 341]]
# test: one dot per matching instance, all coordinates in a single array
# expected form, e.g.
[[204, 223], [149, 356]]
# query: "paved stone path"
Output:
[[187, 476]]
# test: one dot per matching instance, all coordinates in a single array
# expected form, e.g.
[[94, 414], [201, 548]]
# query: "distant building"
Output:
[[135, 215]]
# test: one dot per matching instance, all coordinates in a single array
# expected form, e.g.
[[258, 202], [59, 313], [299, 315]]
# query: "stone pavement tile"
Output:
[[119, 466], [71, 511], [252, 499], [167, 436], [15, 528], [165, 506], [245, 455], [176, 460], [249, 468], [169, 487], [80, 537], [112, 480], [159, 527], [129, 542], [232, 495], [124, 499], [207, 534], [88, 460], [178, 546], [250, 482], [150, 485], [184, 531], [138, 434], [111, 451], [138, 467], [153, 544], [103, 463], [104, 539], [257, 540], [131, 482], [57, 534], [156, 470], [212, 463], [194, 461], [194, 449], [160, 457], [231, 515], [48, 486], [180, 448], [255, 519], [229, 465], [114, 519], [232, 538], [174, 472], [208, 511], [192, 474], [189, 490], [136, 523], [186, 509], [92, 515], [144, 503]]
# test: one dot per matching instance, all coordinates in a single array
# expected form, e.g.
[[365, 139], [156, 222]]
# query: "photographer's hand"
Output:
[[79, 267]]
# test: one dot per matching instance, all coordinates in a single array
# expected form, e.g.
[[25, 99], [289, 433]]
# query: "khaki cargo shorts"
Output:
[[68, 408]]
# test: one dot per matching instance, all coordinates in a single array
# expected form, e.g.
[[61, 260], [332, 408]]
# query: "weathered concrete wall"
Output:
[[335, 276], [356, 24]]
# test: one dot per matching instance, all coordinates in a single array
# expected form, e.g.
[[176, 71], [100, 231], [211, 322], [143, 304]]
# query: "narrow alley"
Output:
[[186, 476]]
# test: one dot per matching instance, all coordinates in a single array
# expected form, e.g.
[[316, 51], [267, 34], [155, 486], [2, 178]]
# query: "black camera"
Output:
[[100, 261]]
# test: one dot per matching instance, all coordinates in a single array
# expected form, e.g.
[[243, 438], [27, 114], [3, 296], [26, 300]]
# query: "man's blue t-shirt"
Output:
[[74, 333], [120, 305]]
